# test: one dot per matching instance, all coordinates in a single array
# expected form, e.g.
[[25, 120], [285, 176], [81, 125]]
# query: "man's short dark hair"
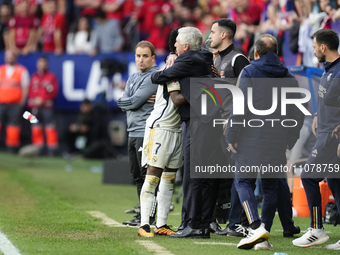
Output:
[[327, 37], [146, 44], [228, 25], [263, 47]]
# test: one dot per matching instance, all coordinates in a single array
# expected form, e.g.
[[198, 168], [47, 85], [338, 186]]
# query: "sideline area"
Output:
[[44, 210]]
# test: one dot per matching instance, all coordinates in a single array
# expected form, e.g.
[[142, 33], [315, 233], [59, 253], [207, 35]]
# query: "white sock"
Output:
[[146, 198], [164, 196]]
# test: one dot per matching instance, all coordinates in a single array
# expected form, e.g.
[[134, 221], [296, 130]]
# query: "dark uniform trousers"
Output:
[[322, 162], [135, 158]]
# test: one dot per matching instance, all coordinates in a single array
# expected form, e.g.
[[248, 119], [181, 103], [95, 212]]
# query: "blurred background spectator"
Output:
[[87, 8], [5, 14], [79, 40], [82, 129], [159, 35], [42, 91], [52, 29], [113, 9], [108, 36], [32, 7], [14, 81], [22, 29]]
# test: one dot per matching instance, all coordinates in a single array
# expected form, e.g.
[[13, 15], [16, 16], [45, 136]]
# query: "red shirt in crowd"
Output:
[[44, 86], [251, 16], [33, 5], [118, 14], [147, 14], [88, 11], [49, 24], [159, 37], [22, 26], [128, 8]]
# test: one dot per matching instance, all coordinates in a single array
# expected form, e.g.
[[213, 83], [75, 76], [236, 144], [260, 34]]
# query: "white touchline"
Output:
[[175, 214], [6, 247], [213, 243], [106, 220], [153, 247], [302, 231]]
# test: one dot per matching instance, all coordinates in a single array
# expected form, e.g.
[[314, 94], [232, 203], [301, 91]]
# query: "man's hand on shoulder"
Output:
[[170, 60]]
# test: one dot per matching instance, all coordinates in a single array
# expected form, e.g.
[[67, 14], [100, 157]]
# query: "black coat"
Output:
[[266, 144], [191, 64]]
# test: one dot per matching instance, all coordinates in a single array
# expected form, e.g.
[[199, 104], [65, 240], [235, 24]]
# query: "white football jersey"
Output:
[[165, 114]]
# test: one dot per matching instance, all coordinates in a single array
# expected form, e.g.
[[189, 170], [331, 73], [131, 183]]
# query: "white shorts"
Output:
[[162, 148]]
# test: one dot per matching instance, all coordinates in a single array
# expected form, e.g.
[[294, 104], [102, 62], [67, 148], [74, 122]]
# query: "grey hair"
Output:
[[191, 36]]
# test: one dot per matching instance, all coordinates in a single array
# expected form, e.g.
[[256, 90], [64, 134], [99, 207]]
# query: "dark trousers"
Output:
[[245, 189], [222, 188], [201, 208], [45, 117], [135, 158], [11, 112], [284, 205], [186, 176], [323, 154], [236, 210], [313, 194]]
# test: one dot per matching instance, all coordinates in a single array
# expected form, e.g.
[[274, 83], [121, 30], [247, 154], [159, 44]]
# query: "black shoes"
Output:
[[136, 210], [214, 227], [180, 228], [290, 233], [135, 222], [189, 232]]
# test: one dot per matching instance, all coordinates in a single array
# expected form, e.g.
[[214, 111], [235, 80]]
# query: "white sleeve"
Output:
[[25, 79]]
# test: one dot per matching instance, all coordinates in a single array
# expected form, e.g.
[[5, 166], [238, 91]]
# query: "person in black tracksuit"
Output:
[[192, 62], [229, 64], [324, 156], [265, 145]]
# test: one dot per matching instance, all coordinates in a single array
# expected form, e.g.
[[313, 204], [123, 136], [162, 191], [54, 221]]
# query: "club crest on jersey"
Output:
[[154, 159]]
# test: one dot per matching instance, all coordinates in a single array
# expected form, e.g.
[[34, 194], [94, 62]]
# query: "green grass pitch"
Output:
[[43, 210]]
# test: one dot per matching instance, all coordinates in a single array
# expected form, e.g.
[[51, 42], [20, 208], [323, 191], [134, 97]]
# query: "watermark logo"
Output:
[[238, 100], [204, 97]]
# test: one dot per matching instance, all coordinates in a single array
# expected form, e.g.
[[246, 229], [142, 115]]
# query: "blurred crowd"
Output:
[[101, 26]]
